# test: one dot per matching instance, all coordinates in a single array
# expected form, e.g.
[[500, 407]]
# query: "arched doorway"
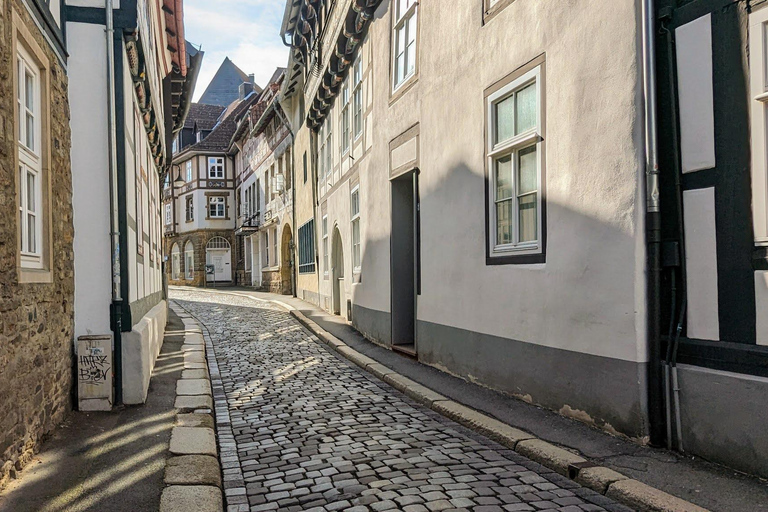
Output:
[[286, 261], [218, 253], [337, 272]]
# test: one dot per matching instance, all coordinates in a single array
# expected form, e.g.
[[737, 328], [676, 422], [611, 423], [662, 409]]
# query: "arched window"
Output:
[[217, 242], [175, 261], [189, 260]]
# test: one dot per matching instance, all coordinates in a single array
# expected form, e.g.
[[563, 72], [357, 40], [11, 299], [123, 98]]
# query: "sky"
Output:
[[246, 31]]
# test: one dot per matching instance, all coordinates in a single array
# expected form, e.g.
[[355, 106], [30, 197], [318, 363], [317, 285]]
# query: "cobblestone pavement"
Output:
[[315, 432]]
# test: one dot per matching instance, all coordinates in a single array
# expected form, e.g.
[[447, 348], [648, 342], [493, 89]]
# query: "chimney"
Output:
[[245, 89]]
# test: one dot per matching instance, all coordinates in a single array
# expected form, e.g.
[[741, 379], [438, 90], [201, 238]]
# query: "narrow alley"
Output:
[[314, 432]]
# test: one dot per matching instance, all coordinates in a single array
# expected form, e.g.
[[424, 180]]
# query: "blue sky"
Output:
[[246, 31]]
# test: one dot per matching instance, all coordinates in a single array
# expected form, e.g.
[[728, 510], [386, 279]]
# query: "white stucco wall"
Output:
[[90, 179], [589, 295]]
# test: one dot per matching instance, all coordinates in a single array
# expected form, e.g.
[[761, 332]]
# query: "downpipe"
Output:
[[117, 300], [653, 230]]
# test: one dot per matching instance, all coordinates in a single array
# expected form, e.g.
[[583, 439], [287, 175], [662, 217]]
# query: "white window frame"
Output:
[[30, 165], [189, 208], [328, 143], [276, 261], [215, 167], [326, 256], [188, 175], [401, 24], [511, 147], [168, 214], [247, 253], [344, 120], [175, 261], [220, 207], [354, 201], [189, 255], [265, 259], [357, 98], [758, 63]]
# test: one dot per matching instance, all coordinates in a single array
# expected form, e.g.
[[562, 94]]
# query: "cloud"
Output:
[[246, 31]]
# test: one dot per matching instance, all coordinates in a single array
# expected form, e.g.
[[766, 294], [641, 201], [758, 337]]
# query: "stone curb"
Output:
[[193, 473], [600, 479], [229, 459]]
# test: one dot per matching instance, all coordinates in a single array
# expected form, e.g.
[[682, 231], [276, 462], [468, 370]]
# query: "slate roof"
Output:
[[205, 116], [225, 85]]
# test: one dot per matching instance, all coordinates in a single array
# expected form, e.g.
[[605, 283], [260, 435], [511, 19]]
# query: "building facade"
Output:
[[199, 207], [36, 268], [262, 151], [129, 94], [496, 215]]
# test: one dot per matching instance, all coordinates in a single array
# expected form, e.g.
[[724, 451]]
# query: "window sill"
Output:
[[405, 86], [520, 257], [34, 275]]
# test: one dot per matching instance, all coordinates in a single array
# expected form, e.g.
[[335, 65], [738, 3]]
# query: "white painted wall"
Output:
[[90, 179], [701, 263], [694, 80]]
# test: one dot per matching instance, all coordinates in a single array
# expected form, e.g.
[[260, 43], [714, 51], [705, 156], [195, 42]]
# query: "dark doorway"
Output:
[[405, 261]]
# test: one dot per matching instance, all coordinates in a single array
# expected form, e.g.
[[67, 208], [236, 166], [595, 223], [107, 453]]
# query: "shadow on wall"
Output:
[[479, 321]]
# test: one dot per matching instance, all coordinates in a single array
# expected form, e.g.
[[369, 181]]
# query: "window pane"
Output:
[[528, 218], [30, 143], [505, 215], [505, 117], [526, 164], [504, 177], [31, 192], [29, 81], [400, 67], [526, 109], [32, 233]]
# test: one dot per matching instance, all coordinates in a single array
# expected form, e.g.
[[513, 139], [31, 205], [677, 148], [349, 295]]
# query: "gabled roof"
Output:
[[219, 138], [225, 85], [204, 116]]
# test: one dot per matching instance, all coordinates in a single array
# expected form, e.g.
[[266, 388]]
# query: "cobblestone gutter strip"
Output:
[[193, 476], [600, 479]]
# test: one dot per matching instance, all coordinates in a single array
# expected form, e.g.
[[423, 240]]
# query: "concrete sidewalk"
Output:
[[112, 461], [708, 485]]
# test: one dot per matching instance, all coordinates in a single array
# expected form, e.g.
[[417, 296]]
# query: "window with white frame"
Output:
[[758, 63], [328, 164], [404, 38], [275, 255], [168, 214], [265, 252], [355, 220], [190, 208], [247, 253], [189, 171], [514, 166], [189, 260], [140, 213], [357, 97], [175, 261], [217, 207], [345, 118], [30, 189], [215, 167], [325, 246]]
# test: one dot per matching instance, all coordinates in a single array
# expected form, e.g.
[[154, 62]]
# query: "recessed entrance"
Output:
[[218, 254], [337, 273], [405, 261]]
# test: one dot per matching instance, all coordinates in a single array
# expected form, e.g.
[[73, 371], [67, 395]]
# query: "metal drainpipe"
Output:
[[117, 300], [653, 230]]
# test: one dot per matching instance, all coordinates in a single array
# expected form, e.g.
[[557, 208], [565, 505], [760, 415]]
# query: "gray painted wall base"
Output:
[[607, 392], [724, 417]]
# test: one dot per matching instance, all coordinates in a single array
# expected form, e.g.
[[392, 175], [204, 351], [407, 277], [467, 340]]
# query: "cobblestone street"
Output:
[[314, 432]]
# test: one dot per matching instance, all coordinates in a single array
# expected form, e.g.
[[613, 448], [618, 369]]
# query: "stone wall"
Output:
[[36, 320], [199, 240]]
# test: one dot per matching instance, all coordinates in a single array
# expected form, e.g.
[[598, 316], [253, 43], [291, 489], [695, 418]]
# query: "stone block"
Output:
[[193, 402], [644, 498], [193, 441], [194, 420], [549, 455], [598, 478], [194, 374], [185, 498], [193, 470], [193, 387], [194, 357]]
